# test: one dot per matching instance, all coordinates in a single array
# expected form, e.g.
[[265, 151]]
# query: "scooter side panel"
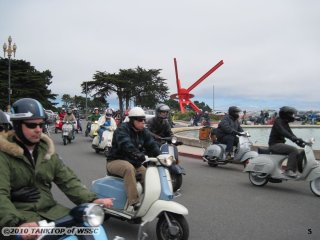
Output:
[[164, 206], [215, 150], [111, 187], [262, 163], [249, 155]]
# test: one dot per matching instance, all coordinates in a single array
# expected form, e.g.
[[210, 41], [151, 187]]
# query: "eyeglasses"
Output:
[[140, 119], [33, 125]]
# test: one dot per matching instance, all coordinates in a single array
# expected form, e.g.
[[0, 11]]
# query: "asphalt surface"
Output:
[[221, 201]]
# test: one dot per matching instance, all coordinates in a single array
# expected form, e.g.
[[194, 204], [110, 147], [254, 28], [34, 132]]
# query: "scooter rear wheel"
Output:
[[258, 179], [315, 186], [178, 221]]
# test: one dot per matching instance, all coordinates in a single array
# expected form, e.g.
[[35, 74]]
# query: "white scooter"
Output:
[[215, 154], [106, 141], [267, 167], [67, 132], [156, 200]]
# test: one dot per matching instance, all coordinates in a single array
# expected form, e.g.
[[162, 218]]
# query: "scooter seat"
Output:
[[264, 150], [138, 176]]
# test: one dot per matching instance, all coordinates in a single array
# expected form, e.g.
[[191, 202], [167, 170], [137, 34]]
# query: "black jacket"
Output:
[[280, 130], [160, 127], [128, 143], [228, 126]]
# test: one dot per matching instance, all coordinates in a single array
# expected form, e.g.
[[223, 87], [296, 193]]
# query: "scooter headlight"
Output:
[[174, 140], [166, 159], [92, 215]]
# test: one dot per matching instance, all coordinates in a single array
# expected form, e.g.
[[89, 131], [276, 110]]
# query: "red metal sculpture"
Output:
[[183, 94]]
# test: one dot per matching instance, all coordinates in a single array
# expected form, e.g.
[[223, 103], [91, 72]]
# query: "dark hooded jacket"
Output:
[[17, 172], [160, 127], [228, 126], [127, 143], [280, 130]]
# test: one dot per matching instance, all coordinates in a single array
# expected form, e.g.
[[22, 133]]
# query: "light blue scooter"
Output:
[[156, 200], [87, 215]]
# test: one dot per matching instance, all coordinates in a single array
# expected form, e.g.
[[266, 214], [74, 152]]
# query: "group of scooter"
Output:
[[265, 166]]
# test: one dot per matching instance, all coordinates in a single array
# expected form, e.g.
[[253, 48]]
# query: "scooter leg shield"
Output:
[[164, 206]]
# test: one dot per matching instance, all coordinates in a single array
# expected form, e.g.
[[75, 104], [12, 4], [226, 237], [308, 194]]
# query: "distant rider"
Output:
[[159, 125], [106, 122], [228, 129], [5, 125], [92, 118], [69, 117], [131, 142], [62, 114], [77, 116], [281, 130]]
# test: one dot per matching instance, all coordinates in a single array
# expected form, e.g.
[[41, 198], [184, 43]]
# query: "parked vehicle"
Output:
[[169, 146], [156, 200], [267, 167], [67, 132], [215, 154]]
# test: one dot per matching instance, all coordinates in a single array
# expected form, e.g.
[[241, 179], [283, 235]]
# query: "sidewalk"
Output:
[[190, 151]]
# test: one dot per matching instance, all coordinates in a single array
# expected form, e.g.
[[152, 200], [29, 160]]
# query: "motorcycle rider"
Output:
[[62, 114], [28, 167], [159, 125], [5, 124], [281, 130], [69, 117], [227, 130], [106, 122], [92, 118], [131, 141], [77, 116]]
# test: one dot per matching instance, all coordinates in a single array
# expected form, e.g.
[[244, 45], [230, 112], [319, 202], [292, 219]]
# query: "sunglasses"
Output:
[[140, 119], [33, 125]]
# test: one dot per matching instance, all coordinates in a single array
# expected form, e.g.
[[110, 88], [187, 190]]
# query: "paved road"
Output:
[[222, 203]]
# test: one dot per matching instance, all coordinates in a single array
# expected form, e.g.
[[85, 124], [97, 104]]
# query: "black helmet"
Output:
[[162, 108], [27, 109], [234, 111], [287, 113]]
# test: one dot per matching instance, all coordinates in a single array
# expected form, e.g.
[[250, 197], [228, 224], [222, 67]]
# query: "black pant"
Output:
[[230, 141], [293, 154]]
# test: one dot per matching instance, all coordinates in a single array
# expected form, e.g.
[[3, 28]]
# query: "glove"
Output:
[[138, 158], [25, 194], [300, 142]]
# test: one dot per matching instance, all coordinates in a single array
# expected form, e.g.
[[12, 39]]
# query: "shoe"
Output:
[[229, 156], [290, 173]]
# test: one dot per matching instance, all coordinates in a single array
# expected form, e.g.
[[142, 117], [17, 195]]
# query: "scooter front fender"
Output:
[[177, 169], [164, 206], [314, 173]]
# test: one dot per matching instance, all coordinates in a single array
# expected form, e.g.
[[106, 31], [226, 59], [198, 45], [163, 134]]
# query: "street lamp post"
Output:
[[86, 100], [9, 50]]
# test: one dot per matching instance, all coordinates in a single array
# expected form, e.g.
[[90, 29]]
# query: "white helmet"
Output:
[[137, 112], [108, 112]]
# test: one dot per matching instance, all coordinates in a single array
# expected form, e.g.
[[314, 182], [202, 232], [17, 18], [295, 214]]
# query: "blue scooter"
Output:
[[156, 200], [73, 226]]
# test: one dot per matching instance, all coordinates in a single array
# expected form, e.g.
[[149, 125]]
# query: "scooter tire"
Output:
[[213, 164], [315, 186], [176, 181], [258, 179], [65, 141], [179, 221], [55, 131]]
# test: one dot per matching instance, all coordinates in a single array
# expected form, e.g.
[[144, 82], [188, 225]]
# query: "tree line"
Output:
[[143, 87]]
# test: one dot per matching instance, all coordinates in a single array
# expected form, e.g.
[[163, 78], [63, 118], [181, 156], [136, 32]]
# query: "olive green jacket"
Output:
[[16, 172]]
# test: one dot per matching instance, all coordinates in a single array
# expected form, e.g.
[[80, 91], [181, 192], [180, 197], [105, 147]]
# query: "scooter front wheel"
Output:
[[258, 179], [315, 186], [179, 229]]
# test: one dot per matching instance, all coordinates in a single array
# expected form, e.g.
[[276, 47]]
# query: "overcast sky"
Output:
[[270, 49]]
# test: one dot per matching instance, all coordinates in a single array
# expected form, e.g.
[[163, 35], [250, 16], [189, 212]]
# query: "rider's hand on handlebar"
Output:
[[300, 142], [106, 202]]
